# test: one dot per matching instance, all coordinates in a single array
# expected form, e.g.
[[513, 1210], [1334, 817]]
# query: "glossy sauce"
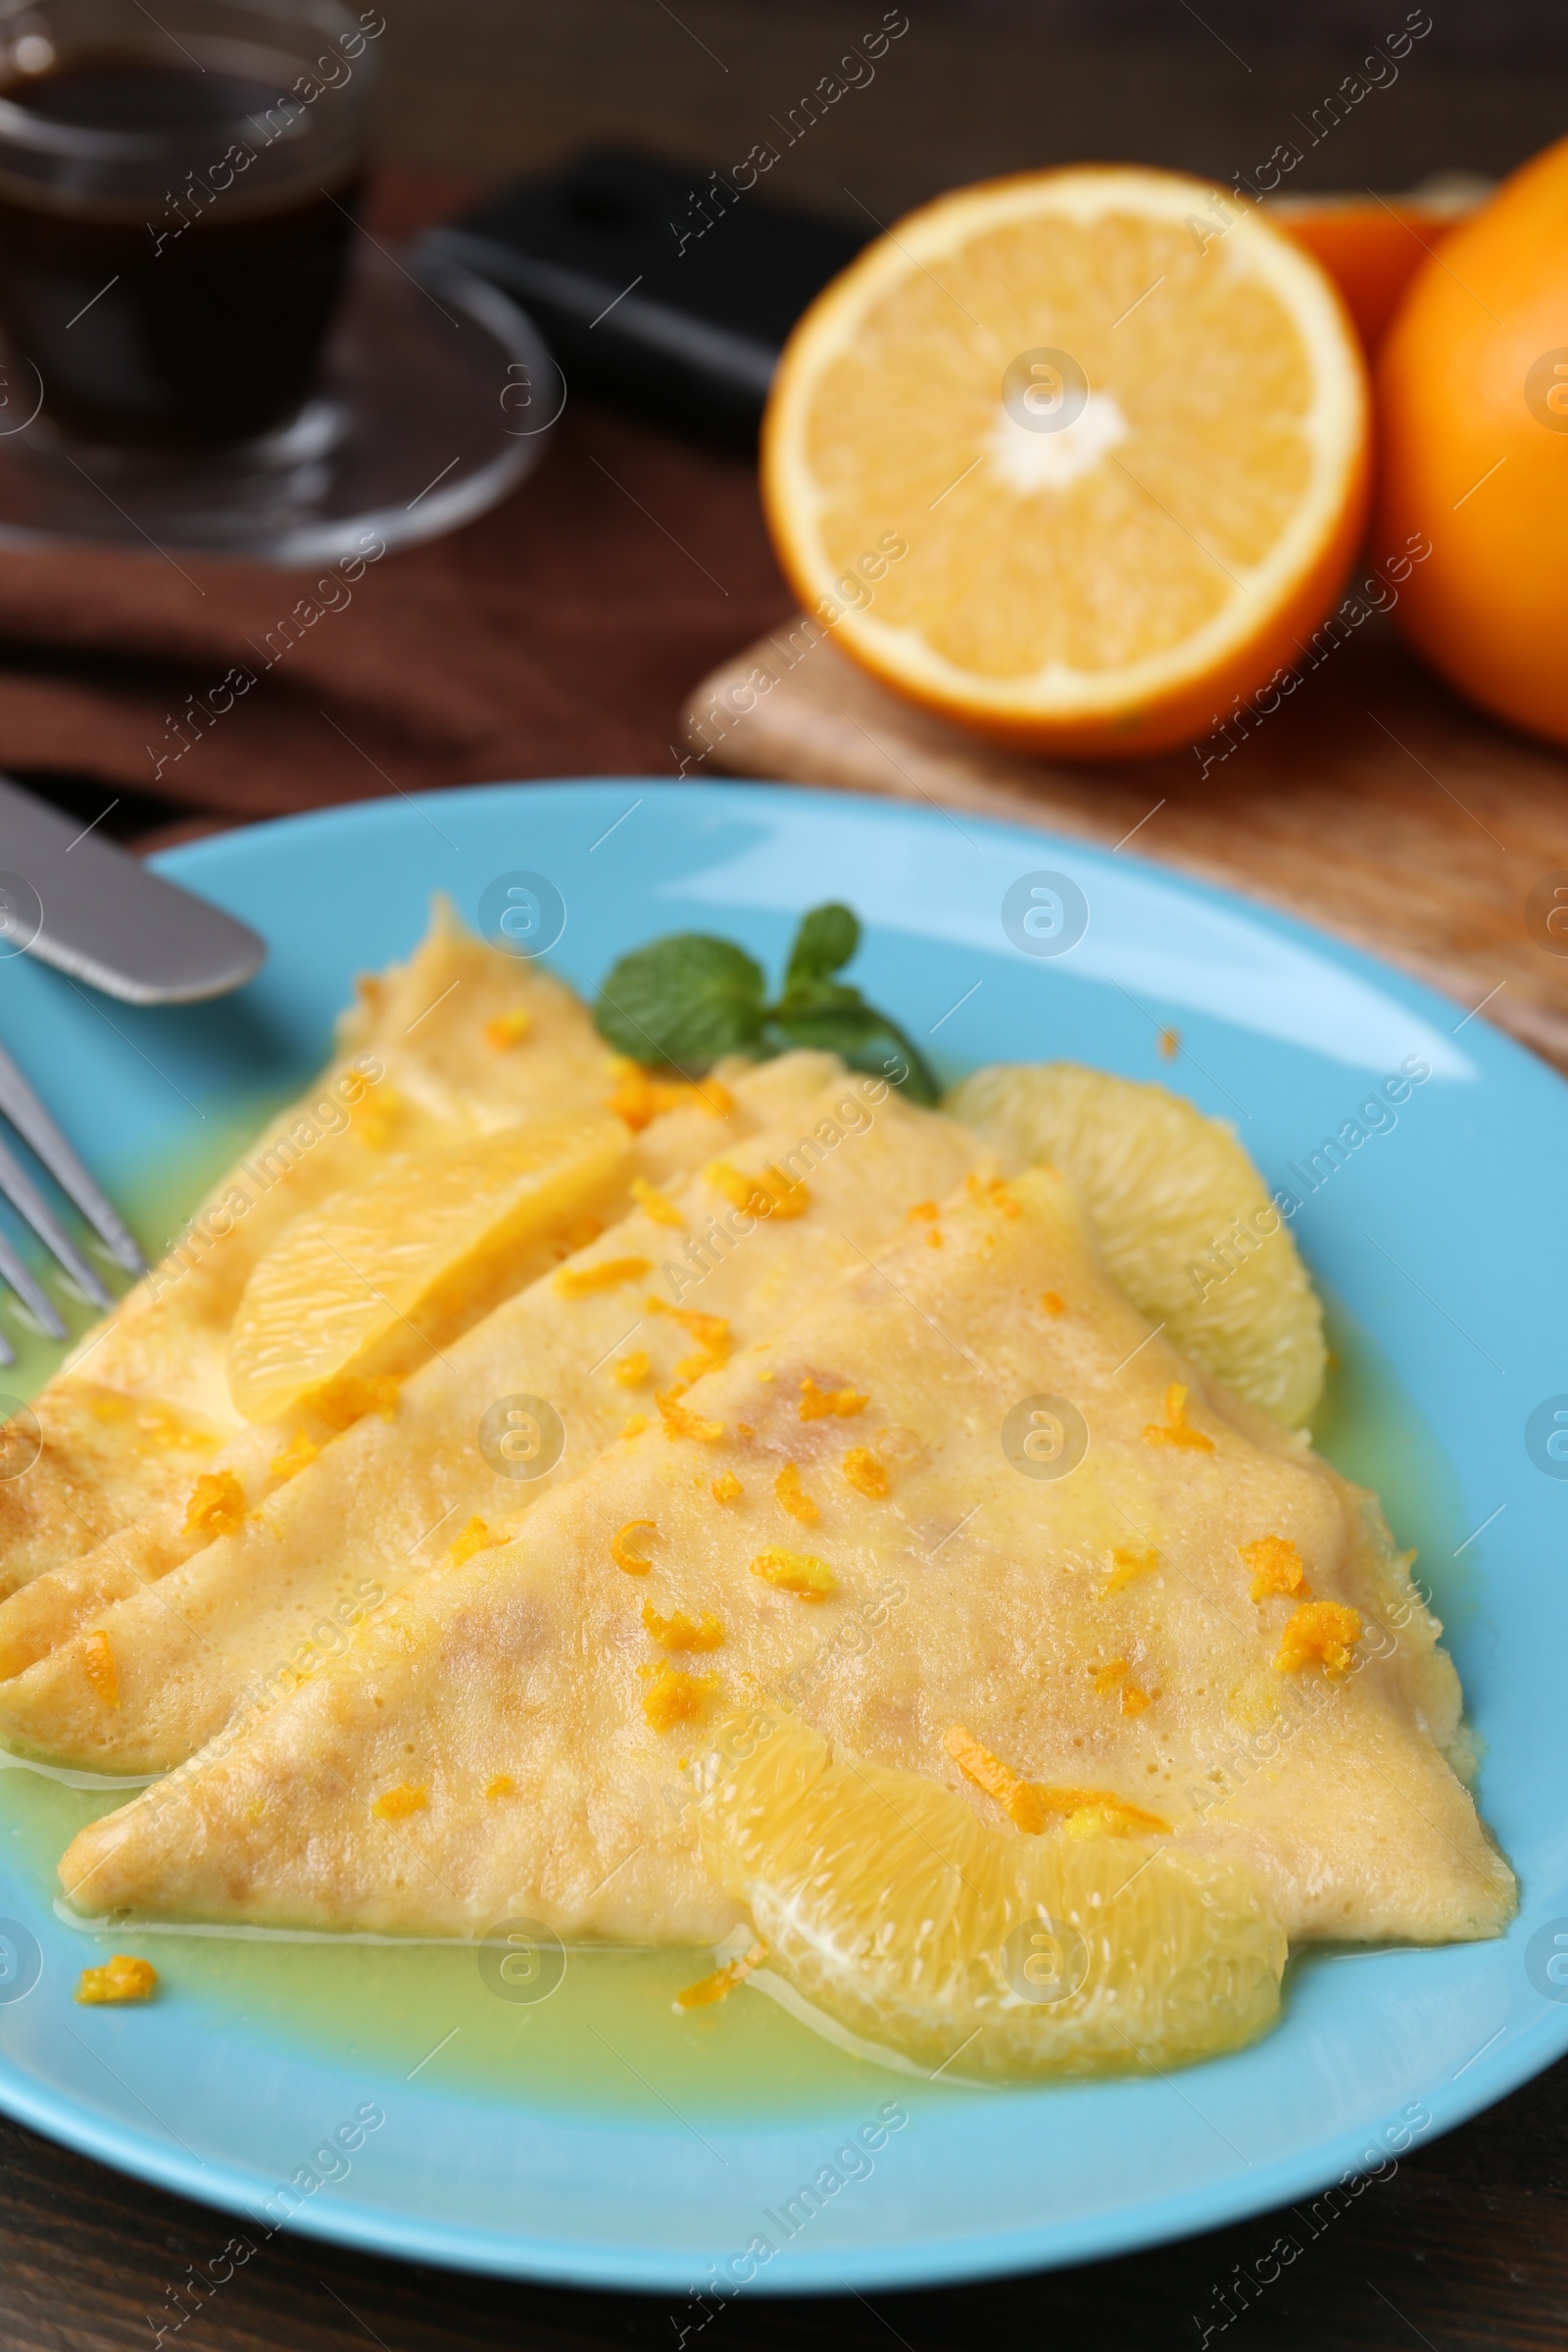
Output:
[[605, 2039]]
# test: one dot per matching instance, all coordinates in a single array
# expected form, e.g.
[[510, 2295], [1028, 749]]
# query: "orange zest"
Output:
[[710, 1332], [508, 1029], [473, 1538], [654, 1205], [582, 1282], [1175, 1428], [1126, 1567], [797, 1571], [98, 1665], [396, 1805], [216, 1505], [767, 1194], [791, 1496], [1321, 1633], [640, 1098], [297, 1456], [673, 1696], [1032, 1807], [722, 1984], [121, 1979], [680, 1632], [1276, 1566], [1015, 1796], [817, 1404], [681, 1422], [621, 1553], [865, 1474], [726, 1487]]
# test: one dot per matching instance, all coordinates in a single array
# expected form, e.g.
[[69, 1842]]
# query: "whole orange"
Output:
[[1472, 399], [1371, 246]]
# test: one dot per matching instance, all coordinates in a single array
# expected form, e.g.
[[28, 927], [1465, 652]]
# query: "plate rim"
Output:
[[912, 2264]]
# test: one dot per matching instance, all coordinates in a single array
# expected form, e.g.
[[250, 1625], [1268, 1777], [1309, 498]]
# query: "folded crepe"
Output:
[[605, 1342], [461, 1040], [965, 1515], [588, 1162]]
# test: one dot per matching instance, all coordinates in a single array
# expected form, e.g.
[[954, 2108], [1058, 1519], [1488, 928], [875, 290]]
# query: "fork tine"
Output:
[[23, 1194], [38, 1302], [29, 1117]]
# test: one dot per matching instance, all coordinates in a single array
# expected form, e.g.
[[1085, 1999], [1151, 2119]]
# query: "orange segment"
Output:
[[891, 1909], [1071, 456], [380, 1276]]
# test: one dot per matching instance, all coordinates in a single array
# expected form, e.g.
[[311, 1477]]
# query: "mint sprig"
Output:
[[684, 1001]]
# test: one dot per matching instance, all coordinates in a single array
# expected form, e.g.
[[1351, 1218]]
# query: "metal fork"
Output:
[[80, 903], [22, 1106]]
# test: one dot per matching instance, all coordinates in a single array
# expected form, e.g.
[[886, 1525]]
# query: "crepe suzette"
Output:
[[458, 1041], [1178, 1692], [461, 1192], [607, 1341]]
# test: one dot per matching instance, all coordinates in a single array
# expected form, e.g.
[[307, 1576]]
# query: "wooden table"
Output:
[[1369, 800]]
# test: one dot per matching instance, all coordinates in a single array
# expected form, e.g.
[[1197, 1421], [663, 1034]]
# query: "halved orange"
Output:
[[1072, 457]]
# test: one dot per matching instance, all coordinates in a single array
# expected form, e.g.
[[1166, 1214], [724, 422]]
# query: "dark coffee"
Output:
[[193, 322]]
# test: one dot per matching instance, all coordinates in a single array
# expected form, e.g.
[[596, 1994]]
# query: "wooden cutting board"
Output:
[[1371, 802]]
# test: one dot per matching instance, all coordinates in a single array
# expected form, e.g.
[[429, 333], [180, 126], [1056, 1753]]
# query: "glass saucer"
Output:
[[435, 397]]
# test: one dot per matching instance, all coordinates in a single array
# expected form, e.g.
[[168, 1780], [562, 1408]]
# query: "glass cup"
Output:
[[176, 199]]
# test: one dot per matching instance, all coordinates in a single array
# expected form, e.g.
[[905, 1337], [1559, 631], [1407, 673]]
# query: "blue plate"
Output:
[[675, 2160]]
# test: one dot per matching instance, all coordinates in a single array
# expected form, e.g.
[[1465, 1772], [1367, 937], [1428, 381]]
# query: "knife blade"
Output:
[[88, 908]]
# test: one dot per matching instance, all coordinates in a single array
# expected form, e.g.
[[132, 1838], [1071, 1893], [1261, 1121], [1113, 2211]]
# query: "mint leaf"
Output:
[[689, 1000], [830, 1028], [685, 1001], [831, 1015], [865, 1037], [827, 940]]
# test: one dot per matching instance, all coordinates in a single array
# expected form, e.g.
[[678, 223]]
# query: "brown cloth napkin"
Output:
[[557, 635]]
